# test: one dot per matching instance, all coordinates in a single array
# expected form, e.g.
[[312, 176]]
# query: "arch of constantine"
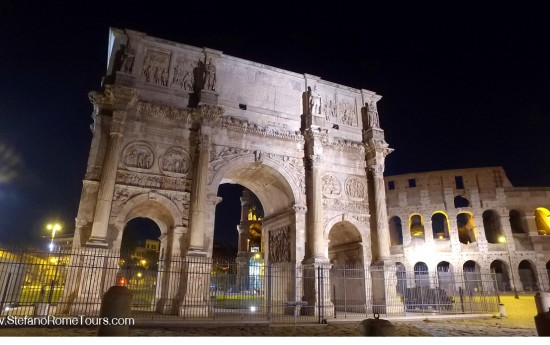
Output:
[[173, 122]]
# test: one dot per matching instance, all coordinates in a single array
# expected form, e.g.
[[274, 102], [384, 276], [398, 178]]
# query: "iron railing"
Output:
[[186, 288]]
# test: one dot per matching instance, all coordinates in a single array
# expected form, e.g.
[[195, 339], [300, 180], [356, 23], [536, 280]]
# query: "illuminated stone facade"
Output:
[[173, 122], [471, 219]]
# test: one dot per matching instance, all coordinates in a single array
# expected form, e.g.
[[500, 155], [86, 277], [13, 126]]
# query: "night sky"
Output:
[[462, 86]]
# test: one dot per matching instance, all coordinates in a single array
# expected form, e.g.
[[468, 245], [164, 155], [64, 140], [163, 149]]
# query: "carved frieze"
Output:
[[279, 245], [175, 162], [329, 110], [221, 155], [156, 110], [138, 156], [346, 144], [347, 112], [155, 68], [268, 131], [355, 189], [180, 199], [120, 197], [183, 77], [348, 206], [150, 181], [332, 188]]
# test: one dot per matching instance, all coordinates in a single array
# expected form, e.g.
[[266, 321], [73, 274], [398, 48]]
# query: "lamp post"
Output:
[[53, 228], [502, 239]]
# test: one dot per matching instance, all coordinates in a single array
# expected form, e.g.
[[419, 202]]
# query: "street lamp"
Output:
[[502, 239], [53, 228]]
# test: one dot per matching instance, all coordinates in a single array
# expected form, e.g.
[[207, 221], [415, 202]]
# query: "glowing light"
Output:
[[53, 228], [143, 262], [7, 308], [139, 275], [257, 256], [54, 260], [253, 309], [440, 236], [502, 239]]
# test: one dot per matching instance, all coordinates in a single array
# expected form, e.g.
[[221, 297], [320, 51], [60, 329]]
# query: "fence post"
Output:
[[5, 293], [461, 294]]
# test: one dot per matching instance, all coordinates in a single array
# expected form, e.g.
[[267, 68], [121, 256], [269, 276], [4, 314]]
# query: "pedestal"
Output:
[[196, 271], [316, 288], [385, 299]]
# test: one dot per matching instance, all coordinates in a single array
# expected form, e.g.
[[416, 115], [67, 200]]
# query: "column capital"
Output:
[[118, 123], [377, 148]]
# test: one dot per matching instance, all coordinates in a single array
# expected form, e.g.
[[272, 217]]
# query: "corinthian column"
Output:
[[107, 182], [198, 196], [316, 207], [376, 168]]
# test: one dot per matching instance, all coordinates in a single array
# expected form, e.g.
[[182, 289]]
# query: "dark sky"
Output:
[[462, 86]]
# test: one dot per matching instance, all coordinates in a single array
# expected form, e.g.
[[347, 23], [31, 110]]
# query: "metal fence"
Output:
[[188, 288]]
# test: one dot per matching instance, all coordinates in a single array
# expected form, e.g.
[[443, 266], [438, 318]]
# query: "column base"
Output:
[[166, 306], [316, 287], [199, 311], [97, 242], [385, 299]]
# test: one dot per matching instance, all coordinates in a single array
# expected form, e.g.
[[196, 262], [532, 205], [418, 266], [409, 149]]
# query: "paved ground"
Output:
[[519, 322]]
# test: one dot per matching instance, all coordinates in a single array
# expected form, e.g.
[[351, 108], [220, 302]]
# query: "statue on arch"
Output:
[[210, 75], [314, 101], [372, 115]]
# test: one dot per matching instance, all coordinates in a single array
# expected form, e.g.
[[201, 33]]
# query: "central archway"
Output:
[[278, 246]]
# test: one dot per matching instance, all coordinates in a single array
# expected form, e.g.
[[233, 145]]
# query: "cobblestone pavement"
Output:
[[520, 322], [438, 328]]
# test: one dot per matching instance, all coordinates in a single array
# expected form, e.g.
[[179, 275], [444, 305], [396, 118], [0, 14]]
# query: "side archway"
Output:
[[492, 226], [396, 231], [502, 278], [528, 276], [542, 219]]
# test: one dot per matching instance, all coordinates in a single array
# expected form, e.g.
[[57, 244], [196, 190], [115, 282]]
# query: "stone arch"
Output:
[[542, 219], [272, 183], [528, 275], [440, 225], [154, 206], [421, 275], [516, 221], [466, 227], [461, 202], [345, 244], [396, 231], [472, 276], [347, 274], [166, 210], [492, 226], [502, 276], [444, 266], [416, 225], [445, 276], [401, 274]]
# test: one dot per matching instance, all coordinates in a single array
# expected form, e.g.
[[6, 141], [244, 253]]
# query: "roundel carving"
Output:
[[332, 188], [138, 156], [355, 189], [175, 162]]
